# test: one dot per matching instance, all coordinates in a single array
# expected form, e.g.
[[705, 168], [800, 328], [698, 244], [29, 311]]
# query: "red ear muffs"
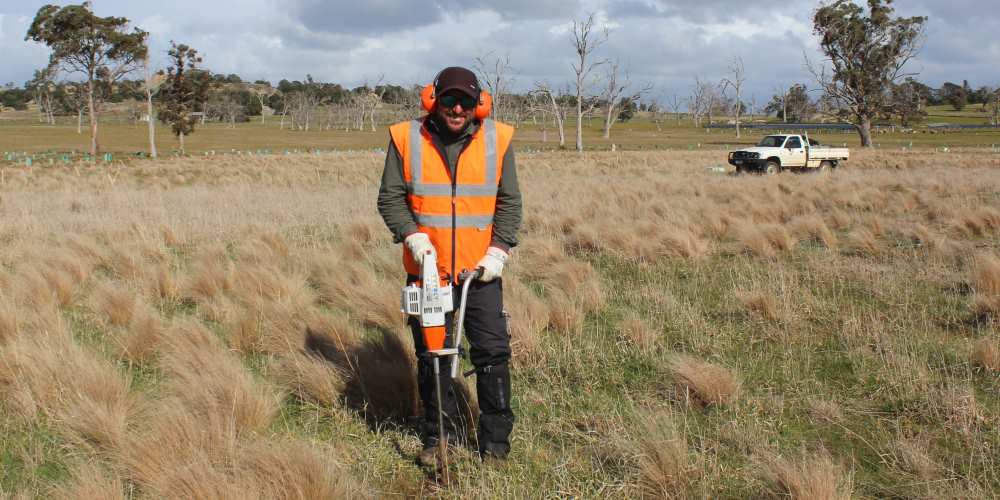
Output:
[[483, 109], [485, 105], [427, 100]]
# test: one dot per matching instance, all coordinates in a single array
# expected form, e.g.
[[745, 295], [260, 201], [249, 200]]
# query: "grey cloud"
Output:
[[702, 11], [519, 9], [364, 16], [665, 42]]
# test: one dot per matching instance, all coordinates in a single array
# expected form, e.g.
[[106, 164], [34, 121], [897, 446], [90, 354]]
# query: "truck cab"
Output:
[[775, 153]]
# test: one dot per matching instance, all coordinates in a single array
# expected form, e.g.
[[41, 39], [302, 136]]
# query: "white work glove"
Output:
[[419, 245], [492, 264]]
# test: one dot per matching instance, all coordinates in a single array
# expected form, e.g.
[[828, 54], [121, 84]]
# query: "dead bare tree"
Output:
[[738, 72], [617, 92], [675, 103], [301, 105], [263, 93], [698, 103], [373, 100], [495, 72], [556, 110], [585, 42], [151, 86]]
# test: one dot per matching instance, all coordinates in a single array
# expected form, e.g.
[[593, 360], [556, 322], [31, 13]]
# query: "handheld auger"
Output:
[[430, 301]]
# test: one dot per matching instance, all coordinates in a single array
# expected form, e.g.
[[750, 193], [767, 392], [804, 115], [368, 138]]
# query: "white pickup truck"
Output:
[[775, 153]]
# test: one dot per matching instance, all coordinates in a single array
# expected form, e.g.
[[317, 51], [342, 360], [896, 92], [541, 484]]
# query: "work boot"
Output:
[[494, 454], [428, 456]]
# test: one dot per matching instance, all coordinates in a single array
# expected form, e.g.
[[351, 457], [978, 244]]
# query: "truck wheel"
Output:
[[825, 167], [739, 170], [772, 168]]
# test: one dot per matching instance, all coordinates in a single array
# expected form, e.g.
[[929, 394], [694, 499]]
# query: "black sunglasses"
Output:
[[449, 101]]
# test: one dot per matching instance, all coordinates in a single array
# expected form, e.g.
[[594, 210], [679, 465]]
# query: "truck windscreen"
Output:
[[772, 141]]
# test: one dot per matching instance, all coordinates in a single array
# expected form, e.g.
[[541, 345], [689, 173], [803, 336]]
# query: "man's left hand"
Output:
[[492, 264]]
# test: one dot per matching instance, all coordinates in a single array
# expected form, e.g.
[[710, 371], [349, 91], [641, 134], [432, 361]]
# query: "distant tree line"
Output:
[[862, 80]]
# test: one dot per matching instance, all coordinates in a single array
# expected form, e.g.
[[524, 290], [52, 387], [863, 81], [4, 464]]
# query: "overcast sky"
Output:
[[666, 43]]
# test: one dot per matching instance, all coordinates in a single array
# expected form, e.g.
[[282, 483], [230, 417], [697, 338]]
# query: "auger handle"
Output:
[[466, 278]]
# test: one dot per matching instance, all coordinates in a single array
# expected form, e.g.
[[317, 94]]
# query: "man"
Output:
[[450, 188]]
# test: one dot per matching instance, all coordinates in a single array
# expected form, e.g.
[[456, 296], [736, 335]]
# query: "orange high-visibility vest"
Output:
[[457, 214]]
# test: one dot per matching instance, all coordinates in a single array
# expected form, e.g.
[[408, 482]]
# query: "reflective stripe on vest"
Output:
[[420, 188], [444, 221]]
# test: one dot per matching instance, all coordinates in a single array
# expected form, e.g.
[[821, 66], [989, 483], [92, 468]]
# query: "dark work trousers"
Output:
[[486, 332]]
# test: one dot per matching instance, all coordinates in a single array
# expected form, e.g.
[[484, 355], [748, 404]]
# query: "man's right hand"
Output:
[[419, 245]]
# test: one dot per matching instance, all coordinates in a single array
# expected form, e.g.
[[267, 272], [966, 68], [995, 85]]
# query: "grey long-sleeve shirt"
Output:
[[396, 213]]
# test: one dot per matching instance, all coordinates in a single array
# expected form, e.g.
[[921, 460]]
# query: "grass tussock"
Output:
[[764, 240], [815, 477], [50, 374], [704, 383], [210, 277], [10, 320], [209, 380], [183, 454], [986, 354], [986, 286], [913, 458], [311, 379], [354, 288], [760, 303], [115, 303], [379, 373], [639, 332], [529, 316], [164, 284], [863, 242], [814, 228], [667, 469], [295, 470], [90, 482], [140, 341]]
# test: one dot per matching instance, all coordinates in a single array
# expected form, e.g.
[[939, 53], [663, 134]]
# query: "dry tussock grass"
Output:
[[702, 382], [10, 319], [311, 379], [863, 242], [378, 372], [957, 406], [90, 482], [78, 267], [986, 354], [50, 374], [140, 341], [667, 469], [210, 277], [986, 285], [163, 284], [34, 290], [115, 304], [353, 287], [529, 316], [914, 458], [760, 303], [272, 309], [183, 454], [265, 290], [813, 228], [210, 381], [293, 471], [815, 477], [639, 332]]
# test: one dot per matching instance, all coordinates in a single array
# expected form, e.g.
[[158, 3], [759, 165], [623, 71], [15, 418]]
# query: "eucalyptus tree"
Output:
[[867, 49], [102, 50]]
